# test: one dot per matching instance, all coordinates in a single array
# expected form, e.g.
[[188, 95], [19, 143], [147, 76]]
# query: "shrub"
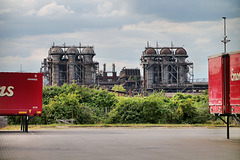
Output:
[[89, 105]]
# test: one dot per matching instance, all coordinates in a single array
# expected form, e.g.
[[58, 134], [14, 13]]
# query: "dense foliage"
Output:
[[95, 105], [157, 108], [118, 88]]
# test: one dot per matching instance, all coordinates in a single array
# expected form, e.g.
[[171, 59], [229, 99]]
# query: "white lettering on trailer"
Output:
[[8, 93], [235, 76]]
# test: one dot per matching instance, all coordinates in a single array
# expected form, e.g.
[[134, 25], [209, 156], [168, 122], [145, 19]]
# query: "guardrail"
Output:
[[200, 80], [66, 121]]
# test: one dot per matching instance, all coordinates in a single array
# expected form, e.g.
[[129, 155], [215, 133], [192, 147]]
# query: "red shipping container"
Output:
[[235, 82], [21, 93]]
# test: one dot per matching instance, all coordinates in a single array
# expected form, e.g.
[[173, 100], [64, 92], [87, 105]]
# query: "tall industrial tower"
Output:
[[70, 64], [166, 68]]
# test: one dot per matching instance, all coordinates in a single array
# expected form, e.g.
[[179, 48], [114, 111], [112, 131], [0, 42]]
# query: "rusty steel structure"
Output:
[[107, 79], [70, 64], [130, 79], [166, 68]]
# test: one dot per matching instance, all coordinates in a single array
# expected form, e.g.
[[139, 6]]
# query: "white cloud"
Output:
[[4, 11], [28, 1], [28, 64], [54, 10], [31, 12], [201, 41], [109, 9], [164, 26]]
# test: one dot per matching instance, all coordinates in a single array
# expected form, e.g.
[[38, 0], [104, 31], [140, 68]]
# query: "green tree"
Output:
[[118, 88], [89, 105]]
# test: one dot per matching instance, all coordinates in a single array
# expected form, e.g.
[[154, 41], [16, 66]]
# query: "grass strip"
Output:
[[65, 126]]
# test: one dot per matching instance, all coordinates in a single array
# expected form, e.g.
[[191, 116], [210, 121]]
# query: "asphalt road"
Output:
[[121, 144]]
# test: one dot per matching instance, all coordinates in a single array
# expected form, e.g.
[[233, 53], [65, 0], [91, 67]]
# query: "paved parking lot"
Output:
[[121, 144]]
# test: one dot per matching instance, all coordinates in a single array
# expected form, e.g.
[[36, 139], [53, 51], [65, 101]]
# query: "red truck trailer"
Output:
[[235, 82], [20, 94], [219, 84], [224, 85]]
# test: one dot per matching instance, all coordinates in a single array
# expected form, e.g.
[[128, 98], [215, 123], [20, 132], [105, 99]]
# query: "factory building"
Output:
[[130, 78], [107, 79], [70, 64], [166, 68]]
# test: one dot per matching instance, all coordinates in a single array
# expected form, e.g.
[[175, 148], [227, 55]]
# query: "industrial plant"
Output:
[[166, 68], [70, 64], [163, 68]]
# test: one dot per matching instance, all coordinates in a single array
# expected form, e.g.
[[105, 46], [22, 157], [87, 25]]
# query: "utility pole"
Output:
[[225, 40]]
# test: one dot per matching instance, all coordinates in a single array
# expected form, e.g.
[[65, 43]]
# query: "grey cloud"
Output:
[[189, 10]]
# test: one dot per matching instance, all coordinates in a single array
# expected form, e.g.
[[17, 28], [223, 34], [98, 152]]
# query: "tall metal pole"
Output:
[[22, 123], [224, 35], [225, 40], [26, 129], [227, 126]]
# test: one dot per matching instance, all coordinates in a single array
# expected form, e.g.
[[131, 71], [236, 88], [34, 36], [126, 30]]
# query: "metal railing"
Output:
[[200, 80]]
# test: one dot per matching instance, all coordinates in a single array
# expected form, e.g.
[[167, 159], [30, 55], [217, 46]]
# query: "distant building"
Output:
[[107, 79], [130, 78], [166, 68], [70, 64]]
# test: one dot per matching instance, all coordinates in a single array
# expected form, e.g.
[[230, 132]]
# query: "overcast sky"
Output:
[[118, 29]]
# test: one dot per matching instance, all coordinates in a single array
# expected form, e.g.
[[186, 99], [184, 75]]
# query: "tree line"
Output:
[[95, 105]]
